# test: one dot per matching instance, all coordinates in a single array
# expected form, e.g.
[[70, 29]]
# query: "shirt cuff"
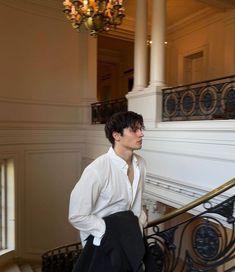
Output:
[[97, 239]]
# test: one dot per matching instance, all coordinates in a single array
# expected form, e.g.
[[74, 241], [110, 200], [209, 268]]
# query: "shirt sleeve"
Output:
[[138, 206], [82, 201], [143, 216]]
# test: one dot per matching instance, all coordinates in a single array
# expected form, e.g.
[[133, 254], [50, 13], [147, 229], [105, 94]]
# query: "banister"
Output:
[[206, 100], [226, 186], [209, 246], [62, 247]]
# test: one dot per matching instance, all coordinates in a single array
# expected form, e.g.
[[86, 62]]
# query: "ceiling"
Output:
[[180, 9], [176, 10]]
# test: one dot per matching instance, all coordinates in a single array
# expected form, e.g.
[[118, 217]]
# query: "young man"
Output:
[[113, 182]]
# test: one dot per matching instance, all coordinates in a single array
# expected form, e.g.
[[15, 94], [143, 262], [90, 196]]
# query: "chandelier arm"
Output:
[[96, 15]]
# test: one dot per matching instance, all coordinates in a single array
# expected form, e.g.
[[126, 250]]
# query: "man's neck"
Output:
[[126, 155]]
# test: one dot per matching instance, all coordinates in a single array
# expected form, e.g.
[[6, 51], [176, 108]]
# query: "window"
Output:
[[7, 205]]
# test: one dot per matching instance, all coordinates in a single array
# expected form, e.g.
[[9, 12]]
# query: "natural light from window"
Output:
[[7, 205]]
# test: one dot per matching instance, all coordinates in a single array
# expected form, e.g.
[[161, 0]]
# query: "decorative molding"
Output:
[[40, 136], [211, 125], [194, 22], [27, 125], [123, 34], [40, 102], [176, 193], [142, 93], [35, 113]]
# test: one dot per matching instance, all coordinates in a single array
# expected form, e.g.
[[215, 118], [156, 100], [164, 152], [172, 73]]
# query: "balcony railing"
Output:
[[101, 111], [207, 100]]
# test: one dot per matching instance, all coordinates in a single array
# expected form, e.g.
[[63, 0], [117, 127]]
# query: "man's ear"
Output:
[[116, 136]]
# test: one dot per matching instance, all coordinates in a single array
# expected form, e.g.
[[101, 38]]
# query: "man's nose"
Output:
[[140, 132]]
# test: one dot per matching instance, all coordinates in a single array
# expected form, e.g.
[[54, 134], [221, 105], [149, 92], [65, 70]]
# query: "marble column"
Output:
[[149, 101], [140, 51], [157, 56]]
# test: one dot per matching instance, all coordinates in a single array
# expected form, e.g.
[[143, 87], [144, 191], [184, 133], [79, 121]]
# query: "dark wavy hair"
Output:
[[118, 121]]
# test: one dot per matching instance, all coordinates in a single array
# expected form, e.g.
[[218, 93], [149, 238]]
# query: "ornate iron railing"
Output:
[[101, 111], [61, 259], [209, 236], [207, 100]]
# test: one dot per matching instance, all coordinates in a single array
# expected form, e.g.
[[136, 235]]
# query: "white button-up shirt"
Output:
[[104, 189]]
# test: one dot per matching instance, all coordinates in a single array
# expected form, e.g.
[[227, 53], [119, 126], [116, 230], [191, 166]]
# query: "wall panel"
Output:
[[49, 178]]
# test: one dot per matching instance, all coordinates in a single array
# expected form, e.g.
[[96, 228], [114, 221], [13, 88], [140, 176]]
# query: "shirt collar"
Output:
[[119, 161]]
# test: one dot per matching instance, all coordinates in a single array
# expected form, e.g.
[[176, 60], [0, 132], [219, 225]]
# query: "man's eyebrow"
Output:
[[136, 127]]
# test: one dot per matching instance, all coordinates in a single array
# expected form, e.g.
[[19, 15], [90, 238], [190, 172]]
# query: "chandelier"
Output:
[[96, 15]]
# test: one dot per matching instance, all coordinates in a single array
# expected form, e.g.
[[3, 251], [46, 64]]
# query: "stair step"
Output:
[[26, 268], [11, 268], [37, 268]]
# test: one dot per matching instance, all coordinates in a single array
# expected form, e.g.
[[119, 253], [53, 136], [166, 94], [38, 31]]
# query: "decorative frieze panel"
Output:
[[174, 193]]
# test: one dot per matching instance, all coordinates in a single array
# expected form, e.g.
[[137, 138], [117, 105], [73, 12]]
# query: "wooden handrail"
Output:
[[226, 186]]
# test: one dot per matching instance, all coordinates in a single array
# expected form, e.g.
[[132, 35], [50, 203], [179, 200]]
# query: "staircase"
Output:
[[210, 236], [21, 268], [30, 268]]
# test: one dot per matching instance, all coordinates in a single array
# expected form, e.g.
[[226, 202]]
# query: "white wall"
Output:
[[210, 31], [47, 79], [44, 63], [47, 73], [39, 54]]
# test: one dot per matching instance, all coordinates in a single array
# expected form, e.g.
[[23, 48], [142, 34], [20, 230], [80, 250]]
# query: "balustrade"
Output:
[[101, 111], [207, 100]]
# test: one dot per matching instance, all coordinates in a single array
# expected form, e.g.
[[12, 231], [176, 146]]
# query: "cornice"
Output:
[[120, 33], [194, 22]]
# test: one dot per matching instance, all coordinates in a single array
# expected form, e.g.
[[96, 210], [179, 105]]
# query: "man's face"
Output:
[[131, 138]]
